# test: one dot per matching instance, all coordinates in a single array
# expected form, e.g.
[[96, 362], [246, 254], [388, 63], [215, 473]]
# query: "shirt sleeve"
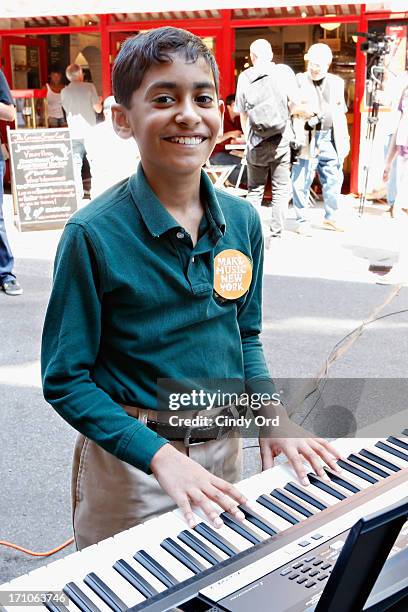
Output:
[[70, 345], [257, 376], [5, 93], [240, 94]]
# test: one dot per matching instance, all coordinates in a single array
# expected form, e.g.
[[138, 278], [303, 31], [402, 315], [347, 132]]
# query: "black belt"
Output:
[[197, 435]]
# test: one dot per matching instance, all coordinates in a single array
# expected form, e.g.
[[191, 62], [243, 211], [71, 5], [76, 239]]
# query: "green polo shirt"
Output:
[[133, 302]]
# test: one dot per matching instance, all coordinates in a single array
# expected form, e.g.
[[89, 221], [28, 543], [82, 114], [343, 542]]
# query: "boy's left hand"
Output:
[[316, 451]]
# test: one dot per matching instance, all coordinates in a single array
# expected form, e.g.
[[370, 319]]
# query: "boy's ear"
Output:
[[221, 108], [120, 122]]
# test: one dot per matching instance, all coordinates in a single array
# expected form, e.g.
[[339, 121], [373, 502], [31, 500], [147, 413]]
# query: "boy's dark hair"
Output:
[[230, 99], [142, 51]]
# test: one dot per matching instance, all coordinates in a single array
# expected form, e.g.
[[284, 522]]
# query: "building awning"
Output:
[[40, 9]]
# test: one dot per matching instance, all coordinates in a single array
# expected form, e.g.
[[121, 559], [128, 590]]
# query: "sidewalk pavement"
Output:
[[317, 290]]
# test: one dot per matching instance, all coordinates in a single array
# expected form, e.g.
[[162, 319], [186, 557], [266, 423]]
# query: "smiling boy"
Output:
[[133, 302]]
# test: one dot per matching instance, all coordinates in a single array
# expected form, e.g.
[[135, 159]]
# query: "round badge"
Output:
[[232, 274]]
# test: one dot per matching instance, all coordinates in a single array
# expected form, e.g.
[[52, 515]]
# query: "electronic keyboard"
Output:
[[281, 555]]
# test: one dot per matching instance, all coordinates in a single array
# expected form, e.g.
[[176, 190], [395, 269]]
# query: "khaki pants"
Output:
[[109, 495]]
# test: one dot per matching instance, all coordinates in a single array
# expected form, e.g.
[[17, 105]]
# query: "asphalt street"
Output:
[[317, 290]]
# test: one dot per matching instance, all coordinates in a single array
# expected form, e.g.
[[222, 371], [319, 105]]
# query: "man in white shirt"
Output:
[[268, 152], [80, 102]]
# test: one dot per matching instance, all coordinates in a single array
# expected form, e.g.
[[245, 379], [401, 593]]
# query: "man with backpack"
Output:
[[267, 95]]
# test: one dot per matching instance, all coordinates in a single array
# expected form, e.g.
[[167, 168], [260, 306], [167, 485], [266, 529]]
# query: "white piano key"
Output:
[[354, 479], [276, 521], [121, 587]]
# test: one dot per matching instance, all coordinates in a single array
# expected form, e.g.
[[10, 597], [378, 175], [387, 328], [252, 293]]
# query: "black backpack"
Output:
[[266, 104]]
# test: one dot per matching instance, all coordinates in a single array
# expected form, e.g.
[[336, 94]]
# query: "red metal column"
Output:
[[227, 55], [358, 99], [105, 56]]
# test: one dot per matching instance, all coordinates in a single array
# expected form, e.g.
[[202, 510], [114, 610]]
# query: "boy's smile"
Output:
[[175, 116]]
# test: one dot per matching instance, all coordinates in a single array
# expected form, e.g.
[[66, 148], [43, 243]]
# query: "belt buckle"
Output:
[[187, 442]]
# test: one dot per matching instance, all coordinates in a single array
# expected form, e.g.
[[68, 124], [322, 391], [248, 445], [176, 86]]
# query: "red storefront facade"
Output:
[[223, 29]]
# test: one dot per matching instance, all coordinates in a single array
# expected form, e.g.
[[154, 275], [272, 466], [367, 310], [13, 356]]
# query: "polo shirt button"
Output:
[[180, 235]]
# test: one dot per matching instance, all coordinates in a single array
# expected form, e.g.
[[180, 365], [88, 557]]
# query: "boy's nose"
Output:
[[186, 113]]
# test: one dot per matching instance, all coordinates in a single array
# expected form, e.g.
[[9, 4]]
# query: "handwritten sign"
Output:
[[43, 177], [232, 274]]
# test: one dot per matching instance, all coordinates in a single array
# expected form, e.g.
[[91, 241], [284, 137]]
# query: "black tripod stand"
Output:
[[377, 47]]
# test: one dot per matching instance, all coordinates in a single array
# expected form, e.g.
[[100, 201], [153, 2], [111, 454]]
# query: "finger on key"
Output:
[[187, 512], [298, 465], [199, 499], [328, 459], [331, 449], [225, 502], [314, 460], [229, 489]]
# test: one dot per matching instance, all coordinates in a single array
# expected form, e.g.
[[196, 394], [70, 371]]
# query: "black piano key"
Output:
[[55, 606], [397, 442], [79, 598], [392, 450], [365, 464], [405, 432], [105, 593], [356, 471], [290, 502], [182, 555], [268, 503], [326, 487], [155, 568], [215, 538], [380, 460], [237, 526], [134, 578], [258, 520], [342, 481], [199, 547], [293, 488]]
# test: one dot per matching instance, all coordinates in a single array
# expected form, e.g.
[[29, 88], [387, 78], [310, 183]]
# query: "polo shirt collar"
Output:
[[155, 216]]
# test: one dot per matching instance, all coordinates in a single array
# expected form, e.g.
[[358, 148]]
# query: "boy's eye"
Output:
[[204, 99], [163, 99]]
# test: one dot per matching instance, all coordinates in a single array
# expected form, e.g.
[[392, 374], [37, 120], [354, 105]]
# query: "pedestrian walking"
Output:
[[327, 140]]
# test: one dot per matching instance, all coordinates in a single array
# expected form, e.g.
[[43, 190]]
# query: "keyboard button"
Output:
[[304, 543], [306, 569], [285, 571], [326, 566], [317, 536], [323, 577], [309, 584], [317, 562], [301, 580], [297, 565], [293, 576], [313, 573], [324, 486], [308, 559]]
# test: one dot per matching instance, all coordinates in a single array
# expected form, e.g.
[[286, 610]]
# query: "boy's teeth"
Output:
[[189, 140]]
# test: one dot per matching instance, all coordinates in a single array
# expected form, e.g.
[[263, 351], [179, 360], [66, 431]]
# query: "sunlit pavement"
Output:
[[316, 291]]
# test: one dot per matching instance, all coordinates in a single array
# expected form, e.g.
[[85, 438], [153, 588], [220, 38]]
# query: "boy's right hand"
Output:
[[189, 484], [386, 173]]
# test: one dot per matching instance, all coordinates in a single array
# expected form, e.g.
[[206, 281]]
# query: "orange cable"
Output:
[[37, 554]]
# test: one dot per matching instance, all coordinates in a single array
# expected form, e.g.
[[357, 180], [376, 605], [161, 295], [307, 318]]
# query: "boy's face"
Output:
[[175, 116]]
